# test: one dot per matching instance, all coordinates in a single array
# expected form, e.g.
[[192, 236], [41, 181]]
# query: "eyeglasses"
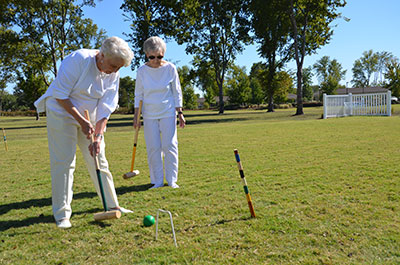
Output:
[[151, 57]]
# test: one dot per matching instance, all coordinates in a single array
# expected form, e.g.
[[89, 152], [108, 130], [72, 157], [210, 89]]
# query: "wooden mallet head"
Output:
[[131, 174], [107, 215]]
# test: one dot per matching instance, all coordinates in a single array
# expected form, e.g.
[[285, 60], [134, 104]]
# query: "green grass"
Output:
[[324, 191]]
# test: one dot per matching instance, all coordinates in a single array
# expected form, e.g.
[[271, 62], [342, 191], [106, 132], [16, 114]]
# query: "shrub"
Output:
[[30, 113], [283, 106]]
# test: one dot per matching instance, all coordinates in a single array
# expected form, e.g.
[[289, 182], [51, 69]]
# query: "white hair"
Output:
[[154, 44], [115, 47]]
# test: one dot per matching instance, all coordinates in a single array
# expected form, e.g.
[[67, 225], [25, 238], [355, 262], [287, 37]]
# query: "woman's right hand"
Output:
[[136, 122], [87, 128]]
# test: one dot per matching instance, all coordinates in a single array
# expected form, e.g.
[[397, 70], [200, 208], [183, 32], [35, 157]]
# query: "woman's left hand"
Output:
[[182, 121], [95, 146]]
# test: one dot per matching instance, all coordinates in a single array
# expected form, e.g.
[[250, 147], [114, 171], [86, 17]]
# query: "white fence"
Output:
[[357, 105]]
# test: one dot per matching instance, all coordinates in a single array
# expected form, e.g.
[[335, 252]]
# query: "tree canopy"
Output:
[[370, 68], [329, 73], [36, 35]]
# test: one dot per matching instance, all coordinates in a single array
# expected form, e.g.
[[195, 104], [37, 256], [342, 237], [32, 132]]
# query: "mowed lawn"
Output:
[[324, 192]]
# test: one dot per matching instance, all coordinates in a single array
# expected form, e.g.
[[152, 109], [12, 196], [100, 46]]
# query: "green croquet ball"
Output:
[[148, 220]]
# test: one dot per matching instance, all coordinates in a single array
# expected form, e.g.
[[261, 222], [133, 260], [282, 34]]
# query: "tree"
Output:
[[363, 69], [308, 92], [38, 34], [329, 73], [369, 69], [126, 92], [257, 95], [213, 30], [393, 76], [271, 25], [10, 50], [189, 97], [310, 29], [24, 93], [148, 18], [7, 101], [384, 58], [238, 86], [258, 75], [284, 84], [204, 76]]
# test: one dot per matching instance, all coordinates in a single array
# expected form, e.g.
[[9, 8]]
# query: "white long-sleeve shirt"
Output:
[[80, 80], [160, 90]]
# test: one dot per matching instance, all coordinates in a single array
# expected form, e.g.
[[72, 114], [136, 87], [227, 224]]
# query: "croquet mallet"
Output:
[[133, 173], [106, 214], [5, 140], [246, 189]]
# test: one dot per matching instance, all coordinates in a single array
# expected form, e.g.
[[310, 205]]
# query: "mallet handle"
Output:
[[136, 136], [96, 162]]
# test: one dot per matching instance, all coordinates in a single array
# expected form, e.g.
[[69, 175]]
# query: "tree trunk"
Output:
[[221, 98], [270, 103], [299, 110], [299, 61], [271, 83]]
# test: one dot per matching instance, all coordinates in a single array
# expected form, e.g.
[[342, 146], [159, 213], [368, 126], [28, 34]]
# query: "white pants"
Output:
[[63, 136], [161, 140]]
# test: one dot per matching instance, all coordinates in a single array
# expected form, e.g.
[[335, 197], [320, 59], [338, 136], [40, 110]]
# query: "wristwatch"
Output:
[[97, 135]]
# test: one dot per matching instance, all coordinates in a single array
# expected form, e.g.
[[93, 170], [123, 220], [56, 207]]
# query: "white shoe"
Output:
[[123, 210], [174, 186], [157, 186], [63, 223]]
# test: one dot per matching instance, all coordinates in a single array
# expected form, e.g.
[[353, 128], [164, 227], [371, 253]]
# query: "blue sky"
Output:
[[373, 25]]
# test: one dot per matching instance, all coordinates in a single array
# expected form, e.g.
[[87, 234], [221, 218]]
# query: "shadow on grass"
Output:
[[44, 219], [5, 225], [191, 119], [196, 118], [26, 127], [4, 208], [188, 122], [100, 224], [220, 222]]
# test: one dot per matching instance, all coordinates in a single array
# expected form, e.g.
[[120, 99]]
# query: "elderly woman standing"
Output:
[[158, 85], [86, 80]]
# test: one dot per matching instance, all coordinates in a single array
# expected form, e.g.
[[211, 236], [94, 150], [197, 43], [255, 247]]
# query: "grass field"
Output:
[[324, 191]]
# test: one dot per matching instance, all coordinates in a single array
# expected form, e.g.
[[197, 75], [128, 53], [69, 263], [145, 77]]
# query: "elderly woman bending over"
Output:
[[86, 80], [157, 84]]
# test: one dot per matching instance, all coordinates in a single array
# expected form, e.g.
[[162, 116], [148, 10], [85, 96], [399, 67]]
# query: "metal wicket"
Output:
[[246, 189], [172, 224]]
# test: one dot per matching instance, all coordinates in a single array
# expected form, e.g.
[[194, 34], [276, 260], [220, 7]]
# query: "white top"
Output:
[[80, 80], [160, 90]]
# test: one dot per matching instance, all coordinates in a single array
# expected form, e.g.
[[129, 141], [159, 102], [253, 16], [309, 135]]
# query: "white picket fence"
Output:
[[357, 105]]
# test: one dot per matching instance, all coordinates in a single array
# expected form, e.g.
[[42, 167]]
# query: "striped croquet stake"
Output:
[[246, 189], [5, 139]]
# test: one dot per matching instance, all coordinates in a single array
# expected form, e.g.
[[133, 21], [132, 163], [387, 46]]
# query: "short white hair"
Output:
[[154, 44], [115, 47]]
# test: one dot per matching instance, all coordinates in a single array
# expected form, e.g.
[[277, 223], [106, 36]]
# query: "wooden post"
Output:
[[246, 189], [5, 140]]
